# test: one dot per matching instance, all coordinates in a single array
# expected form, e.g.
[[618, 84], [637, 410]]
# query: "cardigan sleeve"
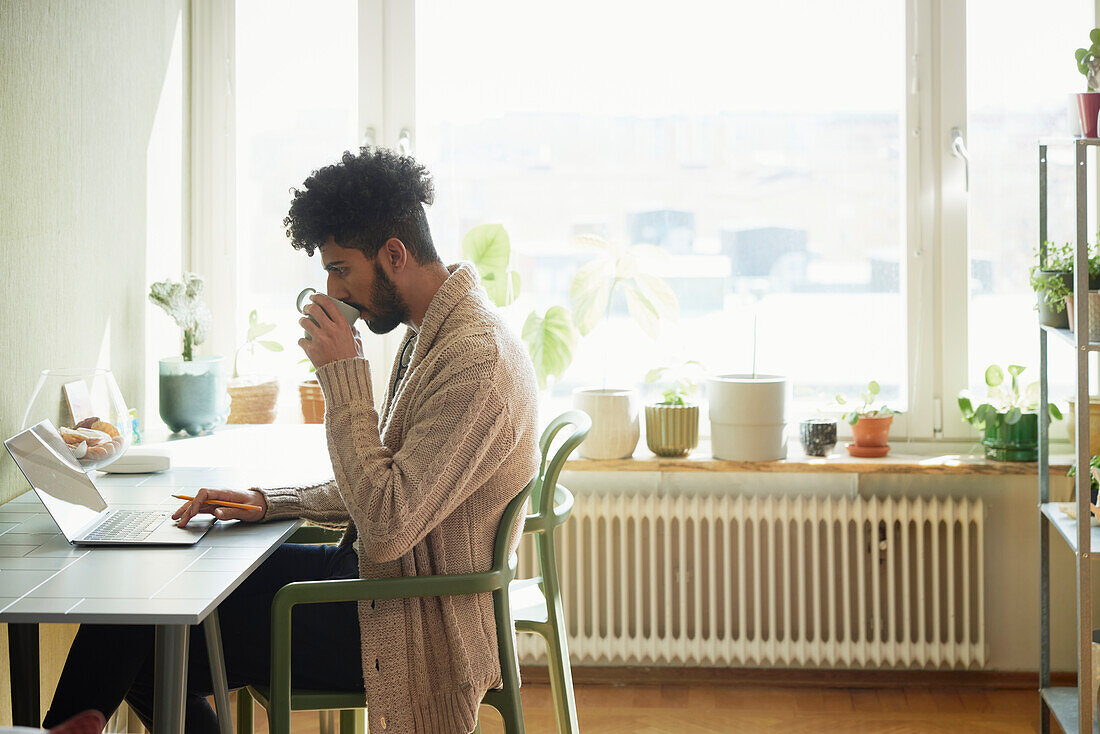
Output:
[[457, 436], [319, 503]]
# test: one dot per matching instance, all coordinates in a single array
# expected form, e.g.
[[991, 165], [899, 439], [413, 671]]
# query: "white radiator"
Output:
[[728, 580]]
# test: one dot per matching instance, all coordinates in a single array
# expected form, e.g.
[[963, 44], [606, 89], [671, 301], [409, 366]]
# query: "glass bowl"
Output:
[[87, 408]]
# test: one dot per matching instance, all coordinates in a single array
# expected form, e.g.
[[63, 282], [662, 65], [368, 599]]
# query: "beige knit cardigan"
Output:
[[424, 488]]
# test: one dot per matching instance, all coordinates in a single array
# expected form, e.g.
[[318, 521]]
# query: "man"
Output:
[[420, 488]]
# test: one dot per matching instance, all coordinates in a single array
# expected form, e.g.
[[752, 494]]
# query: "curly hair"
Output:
[[361, 202]]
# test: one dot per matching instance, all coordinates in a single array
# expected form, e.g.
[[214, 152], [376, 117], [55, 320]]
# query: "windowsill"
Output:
[[904, 458]]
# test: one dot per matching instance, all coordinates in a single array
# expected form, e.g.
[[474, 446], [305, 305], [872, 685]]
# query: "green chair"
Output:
[[279, 700], [536, 602]]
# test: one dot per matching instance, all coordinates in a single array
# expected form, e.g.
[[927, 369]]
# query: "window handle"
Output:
[[369, 138], [958, 149], [404, 142]]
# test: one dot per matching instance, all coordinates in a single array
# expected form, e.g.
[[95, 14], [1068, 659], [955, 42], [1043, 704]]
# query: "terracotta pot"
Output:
[[1093, 317], [1088, 106], [313, 401], [1094, 425], [872, 432]]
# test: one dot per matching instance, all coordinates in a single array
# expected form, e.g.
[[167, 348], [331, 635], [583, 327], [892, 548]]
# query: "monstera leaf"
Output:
[[550, 339], [649, 299], [488, 247]]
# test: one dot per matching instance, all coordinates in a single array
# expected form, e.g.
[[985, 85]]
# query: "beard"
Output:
[[387, 306]]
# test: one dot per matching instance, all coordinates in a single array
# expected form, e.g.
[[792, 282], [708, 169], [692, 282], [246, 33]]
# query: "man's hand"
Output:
[[201, 504], [333, 338]]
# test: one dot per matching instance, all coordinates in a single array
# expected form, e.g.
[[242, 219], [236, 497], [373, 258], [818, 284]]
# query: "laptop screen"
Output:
[[67, 492]]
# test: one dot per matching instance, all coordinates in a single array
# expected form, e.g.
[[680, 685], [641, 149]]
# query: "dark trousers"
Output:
[[108, 663]]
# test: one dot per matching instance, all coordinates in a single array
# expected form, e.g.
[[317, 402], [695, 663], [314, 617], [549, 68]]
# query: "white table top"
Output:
[[45, 579]]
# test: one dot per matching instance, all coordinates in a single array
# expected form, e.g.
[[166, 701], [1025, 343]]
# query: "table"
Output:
[[44, 579]]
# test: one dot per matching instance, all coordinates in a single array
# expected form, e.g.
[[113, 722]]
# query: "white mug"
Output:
[[351, 313]]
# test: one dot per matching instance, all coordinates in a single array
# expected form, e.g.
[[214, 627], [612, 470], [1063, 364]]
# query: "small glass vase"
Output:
[[89, 394], [194, 395]]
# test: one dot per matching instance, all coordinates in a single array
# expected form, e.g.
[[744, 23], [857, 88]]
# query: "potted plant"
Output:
[[1052, 280], [552, 337], [870, 424], [748, 413], [672, 424], [1094, 483], [252, 398], [312, 397], [616, 269], [1088, 102], [193, 395], [1007, 416], [817, 435]]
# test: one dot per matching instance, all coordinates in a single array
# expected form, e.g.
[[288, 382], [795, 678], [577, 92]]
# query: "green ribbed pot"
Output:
[[671, 430]]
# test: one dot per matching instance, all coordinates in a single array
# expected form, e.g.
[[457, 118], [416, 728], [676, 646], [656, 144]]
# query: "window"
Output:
[[806, 189], [297, 109], [1012, 100], [772, 178]]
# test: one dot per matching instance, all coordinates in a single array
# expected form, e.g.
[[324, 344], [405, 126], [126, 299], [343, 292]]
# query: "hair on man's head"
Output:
[[361, 202]]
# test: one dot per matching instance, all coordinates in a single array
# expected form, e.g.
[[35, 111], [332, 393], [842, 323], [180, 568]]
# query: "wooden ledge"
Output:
[[905, 461]]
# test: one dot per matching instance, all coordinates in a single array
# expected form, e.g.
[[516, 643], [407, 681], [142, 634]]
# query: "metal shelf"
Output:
[[1063, 704], [1069, 141], [1067, 526], [1070, 338]]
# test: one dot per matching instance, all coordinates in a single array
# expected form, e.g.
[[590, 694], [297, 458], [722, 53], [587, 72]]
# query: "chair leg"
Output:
[[561, 680], [353, 721], [326, 722], [245, 712], [511, 710]]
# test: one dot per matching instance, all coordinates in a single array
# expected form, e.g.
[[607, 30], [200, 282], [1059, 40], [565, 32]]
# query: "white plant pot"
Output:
[[748, 417], [615, 430]]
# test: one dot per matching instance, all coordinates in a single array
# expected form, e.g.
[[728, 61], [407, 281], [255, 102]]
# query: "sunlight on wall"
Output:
[[164, 224]]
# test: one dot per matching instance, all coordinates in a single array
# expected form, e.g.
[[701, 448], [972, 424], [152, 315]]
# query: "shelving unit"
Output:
[[1071, 707]]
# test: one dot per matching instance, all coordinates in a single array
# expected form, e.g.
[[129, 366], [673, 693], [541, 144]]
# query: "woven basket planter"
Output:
[[253, 399]]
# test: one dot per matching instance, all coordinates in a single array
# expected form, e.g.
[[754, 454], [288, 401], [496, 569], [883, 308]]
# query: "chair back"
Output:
[[509, 521], [542, 496]]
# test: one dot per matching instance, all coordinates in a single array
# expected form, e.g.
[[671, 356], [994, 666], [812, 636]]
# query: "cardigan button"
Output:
[[383, 722]]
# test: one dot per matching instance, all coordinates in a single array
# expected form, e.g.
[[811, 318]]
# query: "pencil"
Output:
[[223, 503]]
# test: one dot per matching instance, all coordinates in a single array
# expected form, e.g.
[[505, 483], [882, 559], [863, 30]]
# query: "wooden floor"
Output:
[[703, 708]]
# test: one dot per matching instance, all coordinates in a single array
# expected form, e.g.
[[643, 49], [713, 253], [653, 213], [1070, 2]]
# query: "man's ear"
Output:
[[394, 254]]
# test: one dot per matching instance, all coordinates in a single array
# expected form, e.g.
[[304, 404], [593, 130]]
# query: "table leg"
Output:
[[215, 654], [170, 682], [26, 707]]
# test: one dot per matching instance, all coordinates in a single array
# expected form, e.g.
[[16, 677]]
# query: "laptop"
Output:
[[75, 504]]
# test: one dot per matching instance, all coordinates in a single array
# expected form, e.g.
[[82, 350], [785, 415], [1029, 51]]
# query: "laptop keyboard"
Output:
[[126, 525]]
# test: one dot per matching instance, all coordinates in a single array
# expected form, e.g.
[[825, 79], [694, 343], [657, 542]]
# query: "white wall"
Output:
[[92, 130]]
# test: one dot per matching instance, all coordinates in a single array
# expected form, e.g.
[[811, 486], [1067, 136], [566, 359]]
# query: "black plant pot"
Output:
[[818, 436], [1047, 315]]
